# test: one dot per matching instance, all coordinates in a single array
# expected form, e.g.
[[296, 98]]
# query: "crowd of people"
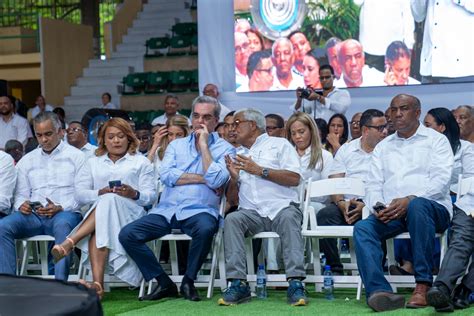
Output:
[[380, 54], [141, 182]]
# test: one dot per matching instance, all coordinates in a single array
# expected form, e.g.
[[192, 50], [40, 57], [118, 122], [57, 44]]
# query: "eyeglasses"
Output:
[[205, 117], [355, 123], [75, 130], [379, 128], [271, 128], [244, 47], [325, 77], [144, 138], [236, 123], [268, 70]]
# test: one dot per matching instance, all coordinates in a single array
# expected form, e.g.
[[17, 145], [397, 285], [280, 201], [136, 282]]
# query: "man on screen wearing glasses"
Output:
[[324, 105]]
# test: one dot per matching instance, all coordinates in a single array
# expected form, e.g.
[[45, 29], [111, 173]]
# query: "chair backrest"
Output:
[[464, 186], [327, 187]]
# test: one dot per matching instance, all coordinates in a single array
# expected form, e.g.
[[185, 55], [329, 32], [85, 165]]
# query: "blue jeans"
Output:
[[134, 236], [19, 225], [423, 219]]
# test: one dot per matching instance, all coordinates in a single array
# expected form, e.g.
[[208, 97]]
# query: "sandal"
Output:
[[99, 289], [60, 251]]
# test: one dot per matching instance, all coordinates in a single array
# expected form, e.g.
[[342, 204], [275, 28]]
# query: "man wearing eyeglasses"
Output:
[[354, 126], [407, 190], [324, 105], [265, 179], [275, 125], [77, 136], [193, 172], [352, 160], [260, 72], [143, 133]]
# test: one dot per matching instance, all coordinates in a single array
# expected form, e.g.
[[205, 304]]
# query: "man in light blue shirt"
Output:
[[193, 171]]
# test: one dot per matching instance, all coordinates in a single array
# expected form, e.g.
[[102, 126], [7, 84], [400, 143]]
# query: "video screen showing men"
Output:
[[371, 43]]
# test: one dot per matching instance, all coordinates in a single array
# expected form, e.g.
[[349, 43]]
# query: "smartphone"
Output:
[[115, 184], [379, 206], [35, 206], [352, 207]]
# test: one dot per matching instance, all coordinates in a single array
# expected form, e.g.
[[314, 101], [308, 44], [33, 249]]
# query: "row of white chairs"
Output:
[[311, 231]]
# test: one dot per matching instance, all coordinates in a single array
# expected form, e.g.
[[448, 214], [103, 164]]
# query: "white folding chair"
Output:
[[217, 260], [273, 279], [326, 187], [42, 241]]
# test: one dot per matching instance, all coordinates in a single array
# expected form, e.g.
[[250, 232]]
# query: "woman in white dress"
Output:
[[302, 132], [118, 183], [176, 127]]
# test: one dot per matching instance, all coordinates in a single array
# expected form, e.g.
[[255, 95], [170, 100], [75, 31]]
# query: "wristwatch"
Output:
[[265, 173], [137, 196]]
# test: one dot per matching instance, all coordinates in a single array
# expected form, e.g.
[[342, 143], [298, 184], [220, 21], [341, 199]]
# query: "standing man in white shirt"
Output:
[[352, 160], [266, 180], [12, 126], [211, 90], [7, 183], [77, 137], [447, 50], [171, 106], [461, 248], [107, 102], [40, 107], [44, 197], [285, 76], [409, 174], [332, 100]]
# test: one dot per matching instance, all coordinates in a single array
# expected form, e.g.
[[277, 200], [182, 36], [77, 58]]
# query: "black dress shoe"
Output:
[[159, 292], [439, 297], [189, 292], [461, 297]]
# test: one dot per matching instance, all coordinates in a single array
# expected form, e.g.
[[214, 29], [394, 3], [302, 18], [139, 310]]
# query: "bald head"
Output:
[[352, 60]]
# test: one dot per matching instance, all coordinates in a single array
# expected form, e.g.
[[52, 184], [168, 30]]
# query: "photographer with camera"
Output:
[[323, 104]]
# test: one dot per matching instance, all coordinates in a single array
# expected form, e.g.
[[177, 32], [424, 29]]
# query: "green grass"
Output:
[[125, 303]]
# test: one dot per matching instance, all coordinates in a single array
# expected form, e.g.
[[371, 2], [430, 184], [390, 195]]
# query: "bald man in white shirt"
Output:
[[409, 174]]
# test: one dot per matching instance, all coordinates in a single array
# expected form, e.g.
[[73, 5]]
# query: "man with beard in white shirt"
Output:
[[407, 191]]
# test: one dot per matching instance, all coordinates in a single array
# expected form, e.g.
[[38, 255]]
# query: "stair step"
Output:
[[85, 101], [95, 72], [153, 23], [99, 81], [164, 6], [141, 39], [125, 47], [142, 31], [98, 63], [127, 54], [97, 90]]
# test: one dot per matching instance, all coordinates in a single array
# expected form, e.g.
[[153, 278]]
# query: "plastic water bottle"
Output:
[[328, 283], [344, 246], [261, 282]]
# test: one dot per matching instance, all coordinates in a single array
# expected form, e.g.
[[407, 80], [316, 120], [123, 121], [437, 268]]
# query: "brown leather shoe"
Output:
[[418, 298], [385, 301]]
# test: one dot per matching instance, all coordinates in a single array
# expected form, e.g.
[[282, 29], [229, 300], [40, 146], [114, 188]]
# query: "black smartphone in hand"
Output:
[[35, 206], [115, 184], [379, 206]]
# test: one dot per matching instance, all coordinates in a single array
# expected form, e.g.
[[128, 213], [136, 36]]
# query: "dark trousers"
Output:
[[460, 249], [423, 219], [134, 236], [331, 215]]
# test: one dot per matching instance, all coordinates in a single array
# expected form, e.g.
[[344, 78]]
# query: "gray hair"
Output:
[[469, 108], [209, 100], [254, 115], [48, 116], [280, 40]]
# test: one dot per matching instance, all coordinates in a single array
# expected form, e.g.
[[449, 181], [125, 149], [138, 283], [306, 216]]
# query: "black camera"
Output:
[[305, 92]]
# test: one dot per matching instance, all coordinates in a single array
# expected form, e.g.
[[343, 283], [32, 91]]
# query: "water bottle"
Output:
[[261, 282], [328, 283], [344, 246]]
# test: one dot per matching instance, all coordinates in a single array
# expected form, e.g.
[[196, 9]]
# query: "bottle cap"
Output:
[[261, 267]]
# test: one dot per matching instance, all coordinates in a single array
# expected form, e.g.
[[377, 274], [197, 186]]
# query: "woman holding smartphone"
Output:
[[118, 183]]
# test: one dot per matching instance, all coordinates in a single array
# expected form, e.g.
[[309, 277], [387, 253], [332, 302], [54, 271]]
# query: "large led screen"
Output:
[[280, 44]]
